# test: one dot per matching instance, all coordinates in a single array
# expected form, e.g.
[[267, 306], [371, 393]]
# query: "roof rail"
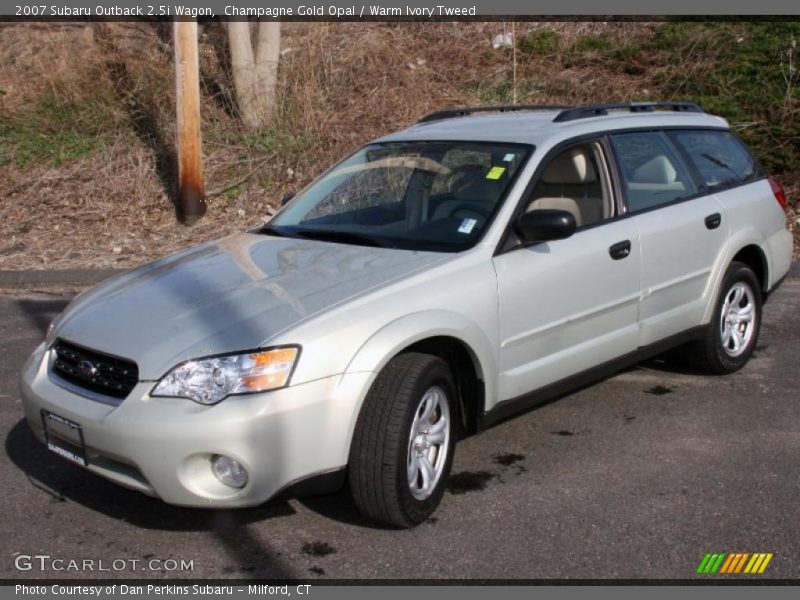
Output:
[[599, 110], [451, 113]]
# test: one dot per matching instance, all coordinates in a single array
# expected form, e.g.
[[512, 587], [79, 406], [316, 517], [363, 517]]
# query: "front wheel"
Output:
[[404, 441], [731, 336]]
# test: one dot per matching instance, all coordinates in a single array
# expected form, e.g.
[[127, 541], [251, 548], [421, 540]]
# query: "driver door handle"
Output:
[[620, 250], [713, 221]]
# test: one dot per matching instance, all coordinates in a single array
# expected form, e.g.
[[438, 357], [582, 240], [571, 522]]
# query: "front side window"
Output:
[[719, 157], [651, 172], [575, 180], [438, 196]]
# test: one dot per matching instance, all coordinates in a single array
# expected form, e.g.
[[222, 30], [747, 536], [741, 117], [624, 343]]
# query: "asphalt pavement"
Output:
[[638, 476]]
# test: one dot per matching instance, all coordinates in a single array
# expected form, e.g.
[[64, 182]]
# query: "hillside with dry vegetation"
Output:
[[87, 114]]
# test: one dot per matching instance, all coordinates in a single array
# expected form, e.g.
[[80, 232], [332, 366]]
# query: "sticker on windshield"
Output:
[[495, 172], [467, 225], [508, 157]]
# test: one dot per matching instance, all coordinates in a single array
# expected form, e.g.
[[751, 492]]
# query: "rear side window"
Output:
[[652, 173], [719, 157]]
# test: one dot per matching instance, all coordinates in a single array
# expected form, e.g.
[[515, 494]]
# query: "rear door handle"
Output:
[[620, 250], [713, 221]]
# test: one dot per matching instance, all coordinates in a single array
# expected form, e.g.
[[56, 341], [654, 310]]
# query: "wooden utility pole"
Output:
[[191, 188]]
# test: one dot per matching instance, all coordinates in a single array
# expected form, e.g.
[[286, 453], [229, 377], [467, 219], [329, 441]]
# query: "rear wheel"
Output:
[[404, 441], [732, 334]]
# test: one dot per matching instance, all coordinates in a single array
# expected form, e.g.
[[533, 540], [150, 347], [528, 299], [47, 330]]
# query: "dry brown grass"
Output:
[[341, 85]]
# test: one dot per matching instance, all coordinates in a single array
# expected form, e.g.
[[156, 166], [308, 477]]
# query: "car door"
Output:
[[681, 233], [571, 304]]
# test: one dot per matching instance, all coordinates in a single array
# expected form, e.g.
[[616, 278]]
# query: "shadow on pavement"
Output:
[[41, 312], [673, 361], [67, 482], [338, 507]]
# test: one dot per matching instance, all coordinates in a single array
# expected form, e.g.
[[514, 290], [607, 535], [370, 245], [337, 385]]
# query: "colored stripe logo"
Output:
[[734, 562]]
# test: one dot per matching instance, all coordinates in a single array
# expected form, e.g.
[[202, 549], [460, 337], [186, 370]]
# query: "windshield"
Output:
[[438, 196]]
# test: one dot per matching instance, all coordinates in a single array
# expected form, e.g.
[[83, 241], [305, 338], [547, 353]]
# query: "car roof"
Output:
[[539, 127]]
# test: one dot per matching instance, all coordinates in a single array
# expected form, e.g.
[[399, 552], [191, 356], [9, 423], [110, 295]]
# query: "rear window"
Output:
[[719, 157]]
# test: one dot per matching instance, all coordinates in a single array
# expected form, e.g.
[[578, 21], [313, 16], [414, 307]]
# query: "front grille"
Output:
[[94, 371]]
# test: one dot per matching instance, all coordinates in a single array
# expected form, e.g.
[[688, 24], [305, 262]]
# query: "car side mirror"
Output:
[[286, 197], [545, 224]]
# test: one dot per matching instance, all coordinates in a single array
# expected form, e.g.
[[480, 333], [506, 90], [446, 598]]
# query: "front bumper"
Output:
[[163, 446]]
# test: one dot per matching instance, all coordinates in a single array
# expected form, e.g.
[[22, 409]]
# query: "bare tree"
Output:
[[255, 74]]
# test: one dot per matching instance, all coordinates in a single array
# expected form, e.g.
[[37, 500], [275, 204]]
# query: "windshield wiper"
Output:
[[720, 163], [342, 236], [272, 230]]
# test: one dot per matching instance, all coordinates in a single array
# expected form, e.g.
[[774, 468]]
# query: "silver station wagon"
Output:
[[434, 282]]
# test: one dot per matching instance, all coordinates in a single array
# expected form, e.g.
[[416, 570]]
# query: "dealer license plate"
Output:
[[64, 437]]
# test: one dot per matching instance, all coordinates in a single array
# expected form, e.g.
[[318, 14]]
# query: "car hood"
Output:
[[226, 296]]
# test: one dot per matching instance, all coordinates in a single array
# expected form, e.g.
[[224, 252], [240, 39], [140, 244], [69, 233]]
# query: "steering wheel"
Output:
[[481, 211]]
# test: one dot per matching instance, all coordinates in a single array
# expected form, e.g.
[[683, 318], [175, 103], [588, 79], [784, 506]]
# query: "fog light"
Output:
[[229, 471]]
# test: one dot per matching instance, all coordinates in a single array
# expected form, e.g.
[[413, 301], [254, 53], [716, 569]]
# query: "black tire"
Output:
[[709, 353], [380, 450]]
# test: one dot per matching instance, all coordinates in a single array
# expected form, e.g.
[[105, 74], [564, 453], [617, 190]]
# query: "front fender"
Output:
[[392, 339]]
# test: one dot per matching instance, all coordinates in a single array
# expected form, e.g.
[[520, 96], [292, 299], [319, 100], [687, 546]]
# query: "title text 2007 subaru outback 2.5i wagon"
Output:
[[435, 281]]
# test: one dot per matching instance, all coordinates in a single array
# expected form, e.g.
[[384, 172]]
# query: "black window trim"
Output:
[[505, 243]]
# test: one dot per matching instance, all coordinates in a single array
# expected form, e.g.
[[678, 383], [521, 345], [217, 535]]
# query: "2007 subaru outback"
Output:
[[437, 280]]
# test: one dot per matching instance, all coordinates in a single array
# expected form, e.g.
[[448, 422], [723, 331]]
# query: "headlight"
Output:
[[209, 380]]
